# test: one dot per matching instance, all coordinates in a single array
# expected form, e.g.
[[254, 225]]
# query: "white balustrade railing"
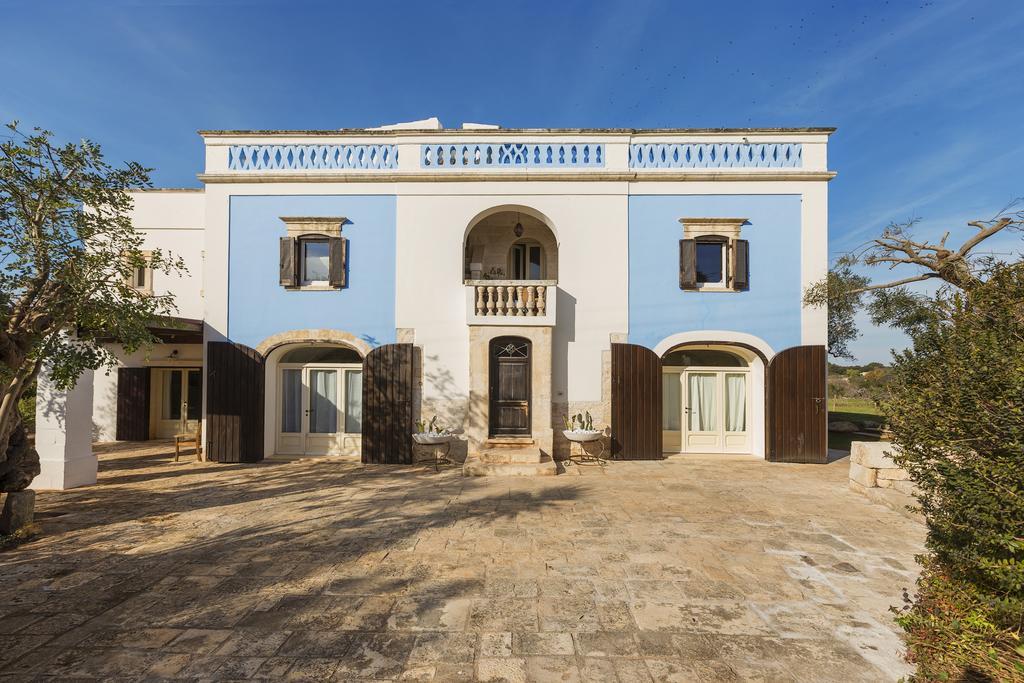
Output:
[[502, 300]]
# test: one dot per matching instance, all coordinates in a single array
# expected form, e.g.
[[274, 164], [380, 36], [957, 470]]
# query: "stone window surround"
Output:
[[300, 227], [727, 230], [147, 288]]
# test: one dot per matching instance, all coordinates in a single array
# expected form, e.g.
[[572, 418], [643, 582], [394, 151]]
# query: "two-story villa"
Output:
[[344, 284]]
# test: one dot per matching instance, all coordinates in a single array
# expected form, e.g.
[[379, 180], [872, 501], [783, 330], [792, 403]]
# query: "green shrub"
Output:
[[27, 408], [956, 411]]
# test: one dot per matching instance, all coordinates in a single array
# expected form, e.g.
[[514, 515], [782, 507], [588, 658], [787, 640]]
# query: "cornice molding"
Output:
[[515, 176]]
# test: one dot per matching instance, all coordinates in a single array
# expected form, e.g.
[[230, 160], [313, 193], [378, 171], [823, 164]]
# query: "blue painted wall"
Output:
[[770, 309], [258, 306]]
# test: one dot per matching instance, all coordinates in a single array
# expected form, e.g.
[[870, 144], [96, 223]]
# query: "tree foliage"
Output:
[[956, 411], [846, 291], [68, 252]]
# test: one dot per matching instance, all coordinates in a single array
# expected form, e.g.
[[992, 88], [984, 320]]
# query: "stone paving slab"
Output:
[[689, 569]]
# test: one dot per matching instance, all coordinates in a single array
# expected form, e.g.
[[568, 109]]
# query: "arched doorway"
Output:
[[318, 400], [510, 245], [706, 400], [509, 386]]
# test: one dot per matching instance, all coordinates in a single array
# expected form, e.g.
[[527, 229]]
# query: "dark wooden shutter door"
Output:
[[687, 264], [234, 403], [336, 248], [387, 405], [132, 404], [741, 269], [636, 403], [289, 262], [797, 413]]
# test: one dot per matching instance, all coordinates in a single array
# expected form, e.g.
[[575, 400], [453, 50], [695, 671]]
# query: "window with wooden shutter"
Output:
[[688, 264], [336, 248], [313, 255], [741, 265], [289, 271]]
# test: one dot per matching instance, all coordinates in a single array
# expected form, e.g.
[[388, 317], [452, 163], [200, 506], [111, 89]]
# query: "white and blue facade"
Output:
[[567, 240]]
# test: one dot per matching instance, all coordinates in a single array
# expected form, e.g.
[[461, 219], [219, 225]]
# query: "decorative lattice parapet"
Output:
[[311, 157], [513, 155], [716, 155]]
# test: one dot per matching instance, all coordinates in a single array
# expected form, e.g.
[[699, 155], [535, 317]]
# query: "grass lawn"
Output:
[[853, 410]]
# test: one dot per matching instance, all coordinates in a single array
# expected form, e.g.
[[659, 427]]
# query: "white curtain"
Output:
[[702, 402], [735, 403], [671, 399], [354, 401], [291, 401], [323, 406]]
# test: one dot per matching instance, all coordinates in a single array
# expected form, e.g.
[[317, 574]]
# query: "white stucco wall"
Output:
[[590, 223], [173, 221]]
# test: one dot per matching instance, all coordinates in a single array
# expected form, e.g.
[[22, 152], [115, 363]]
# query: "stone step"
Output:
[[510, 442], [474, 467], [507, 455]]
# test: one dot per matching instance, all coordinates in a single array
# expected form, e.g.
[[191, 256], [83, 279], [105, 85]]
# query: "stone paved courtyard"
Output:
[[684, 570]]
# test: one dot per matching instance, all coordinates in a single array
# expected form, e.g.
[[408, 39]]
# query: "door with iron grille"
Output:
[[509, 413]]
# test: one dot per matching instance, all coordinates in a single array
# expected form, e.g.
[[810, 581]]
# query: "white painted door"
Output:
[[318, 408], [177, 400], [715, 412], [706, 410]]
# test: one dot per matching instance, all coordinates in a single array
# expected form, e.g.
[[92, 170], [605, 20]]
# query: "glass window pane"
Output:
[[709, 262], [195, 395], [291, 401], [672, 396], [315, 261], [703, 357], [354, 401], [323, 401], [518, 259], [735, 403], [171, 409], [701, 402], [534, 263]]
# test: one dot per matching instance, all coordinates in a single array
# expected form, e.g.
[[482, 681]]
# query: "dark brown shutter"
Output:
[[636, 403], [687, 264], [741, 265], [797, 413], [388, 380], [289, 262], [132, 404], [234, 403], [337, 261]]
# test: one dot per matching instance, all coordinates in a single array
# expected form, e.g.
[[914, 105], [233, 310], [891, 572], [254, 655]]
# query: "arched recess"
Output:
[[275, 347], [495, 248], [753, 351]]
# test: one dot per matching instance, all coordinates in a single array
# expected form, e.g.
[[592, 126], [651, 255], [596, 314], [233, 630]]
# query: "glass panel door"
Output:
[[671, 411], [354, 401], [702, 405], [735, 402], [323, 401], [193, 397], [291, 401]]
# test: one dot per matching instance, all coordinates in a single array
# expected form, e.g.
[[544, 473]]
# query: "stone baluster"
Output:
[[531, 301], [501, 301], [490, 301], [513, 309], [481, 306], [541, 304], [520, 301]]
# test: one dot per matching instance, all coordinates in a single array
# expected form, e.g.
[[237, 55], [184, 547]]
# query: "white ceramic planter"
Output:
[[582, 436], [431, 439]]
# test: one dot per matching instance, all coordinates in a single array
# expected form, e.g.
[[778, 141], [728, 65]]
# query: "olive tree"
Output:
[[894, 302], [68, 254]]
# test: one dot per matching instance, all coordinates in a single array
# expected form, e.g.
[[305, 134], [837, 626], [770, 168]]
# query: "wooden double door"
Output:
[[510, 369]]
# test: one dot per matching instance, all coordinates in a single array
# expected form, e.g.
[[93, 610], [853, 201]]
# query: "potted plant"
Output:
[[430, 433], [580, 429]]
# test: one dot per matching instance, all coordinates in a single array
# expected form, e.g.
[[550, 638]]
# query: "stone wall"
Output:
[[874, 474]]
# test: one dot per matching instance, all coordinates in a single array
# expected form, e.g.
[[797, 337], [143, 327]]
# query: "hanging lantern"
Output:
[[518, 230]]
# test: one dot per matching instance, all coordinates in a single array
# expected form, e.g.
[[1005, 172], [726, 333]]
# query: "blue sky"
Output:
[[928, 96]]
